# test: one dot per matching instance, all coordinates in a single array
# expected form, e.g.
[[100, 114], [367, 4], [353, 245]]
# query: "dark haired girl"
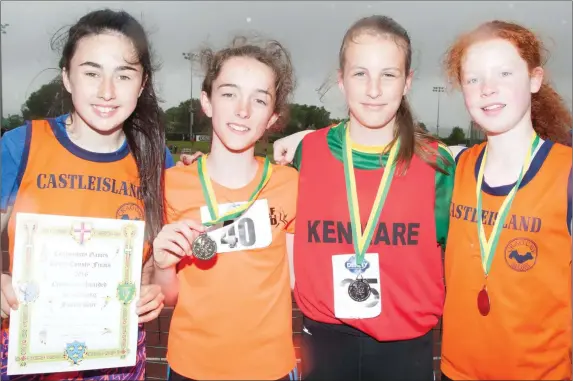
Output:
[[112, 135]]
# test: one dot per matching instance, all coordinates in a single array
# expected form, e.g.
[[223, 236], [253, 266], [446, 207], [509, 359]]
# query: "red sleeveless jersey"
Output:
[[58, 177], [404, 238], [527, 333]]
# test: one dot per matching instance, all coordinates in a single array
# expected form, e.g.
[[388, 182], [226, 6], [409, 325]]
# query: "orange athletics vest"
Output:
[[233, 318], [527, 333], [58, 177]]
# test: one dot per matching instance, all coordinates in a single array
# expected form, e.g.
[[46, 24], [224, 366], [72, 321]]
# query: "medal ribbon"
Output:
[[209, 193], [488, 246], [361, 240]]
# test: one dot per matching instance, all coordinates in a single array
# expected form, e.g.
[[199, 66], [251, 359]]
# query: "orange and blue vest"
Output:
[[527, 333], [58, 177]]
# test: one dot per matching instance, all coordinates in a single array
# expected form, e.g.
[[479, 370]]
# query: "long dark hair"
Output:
[[413, 140], [144, 131]]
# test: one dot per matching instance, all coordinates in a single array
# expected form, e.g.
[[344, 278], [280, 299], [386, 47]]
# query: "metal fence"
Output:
[[158, 331]]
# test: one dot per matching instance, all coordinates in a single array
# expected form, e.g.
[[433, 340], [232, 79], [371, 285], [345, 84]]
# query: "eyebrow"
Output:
[[383, 69], [236, 87], [98, 66]]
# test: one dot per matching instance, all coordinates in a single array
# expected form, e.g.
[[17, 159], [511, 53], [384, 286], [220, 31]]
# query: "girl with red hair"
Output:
[[508, 272]]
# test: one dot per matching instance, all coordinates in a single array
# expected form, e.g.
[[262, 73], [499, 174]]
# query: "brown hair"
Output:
[[270, 53], [413, 140], [549, 114]]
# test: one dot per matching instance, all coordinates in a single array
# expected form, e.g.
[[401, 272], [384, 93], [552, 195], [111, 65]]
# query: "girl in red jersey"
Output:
[[113, 130], [230, 287], [507, 314], [370, 283]]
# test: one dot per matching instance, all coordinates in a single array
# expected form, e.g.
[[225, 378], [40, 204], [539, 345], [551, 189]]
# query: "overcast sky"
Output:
[[311, 30]]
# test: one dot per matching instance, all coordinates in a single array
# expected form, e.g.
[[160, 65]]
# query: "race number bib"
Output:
[[344, 273], [252, 230]]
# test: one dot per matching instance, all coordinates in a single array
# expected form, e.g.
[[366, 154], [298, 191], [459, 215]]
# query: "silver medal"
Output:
[[204, 247], [359, 290]]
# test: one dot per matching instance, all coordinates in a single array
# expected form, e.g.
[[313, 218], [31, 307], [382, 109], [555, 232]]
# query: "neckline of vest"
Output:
[[536, 163], [59, 129]]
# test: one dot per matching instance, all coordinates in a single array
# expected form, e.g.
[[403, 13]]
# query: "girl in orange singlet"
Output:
[[508, 260], [233, 310], [89, 163]]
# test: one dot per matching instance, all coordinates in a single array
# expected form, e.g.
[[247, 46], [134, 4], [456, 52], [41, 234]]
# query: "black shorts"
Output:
[[445, 378], [334, 352]]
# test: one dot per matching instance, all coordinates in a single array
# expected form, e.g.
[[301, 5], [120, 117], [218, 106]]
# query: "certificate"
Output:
[[77, 281]]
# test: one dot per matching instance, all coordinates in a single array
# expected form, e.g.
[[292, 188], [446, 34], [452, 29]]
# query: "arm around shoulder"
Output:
[[284, 149]]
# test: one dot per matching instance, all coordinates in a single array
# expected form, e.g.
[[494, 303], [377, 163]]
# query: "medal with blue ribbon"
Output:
[[359, 290], [488, 246]]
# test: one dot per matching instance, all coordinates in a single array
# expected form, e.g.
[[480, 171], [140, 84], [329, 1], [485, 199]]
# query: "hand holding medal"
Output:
[[359, 290], [204, 247], [174, 242]]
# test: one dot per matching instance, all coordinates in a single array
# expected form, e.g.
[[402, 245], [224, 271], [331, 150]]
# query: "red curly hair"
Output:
[[550, 116]]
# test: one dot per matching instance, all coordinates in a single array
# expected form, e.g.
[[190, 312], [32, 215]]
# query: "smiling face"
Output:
[[374, 78], [241, 103], [103, 80], [497, 85]]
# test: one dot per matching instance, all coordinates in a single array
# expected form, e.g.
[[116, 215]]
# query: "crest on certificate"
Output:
[[81, 232], [126, 292], [129, 231], [75, 352]]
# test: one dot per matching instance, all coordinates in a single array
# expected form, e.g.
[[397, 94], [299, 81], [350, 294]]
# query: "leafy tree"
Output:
[[48, 101], [303, 117], [12, 121], [335, 120], [457, 136], [177, 119]]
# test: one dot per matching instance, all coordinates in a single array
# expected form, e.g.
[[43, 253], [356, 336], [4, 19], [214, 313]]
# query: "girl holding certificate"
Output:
[[230, 285], [507, 314], [372, 214], [105, 159]]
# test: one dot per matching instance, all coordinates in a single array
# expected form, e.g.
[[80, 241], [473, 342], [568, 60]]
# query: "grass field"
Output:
[[204, 147]]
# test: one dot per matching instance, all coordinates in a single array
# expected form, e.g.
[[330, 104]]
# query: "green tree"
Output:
[[3, 28], [303, 117], [422, 125], [457, 136], [177, 119], [48, 101], [12, 121]]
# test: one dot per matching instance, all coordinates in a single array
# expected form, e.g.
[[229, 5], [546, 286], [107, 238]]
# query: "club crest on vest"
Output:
[[129, 211], [521, 254]]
